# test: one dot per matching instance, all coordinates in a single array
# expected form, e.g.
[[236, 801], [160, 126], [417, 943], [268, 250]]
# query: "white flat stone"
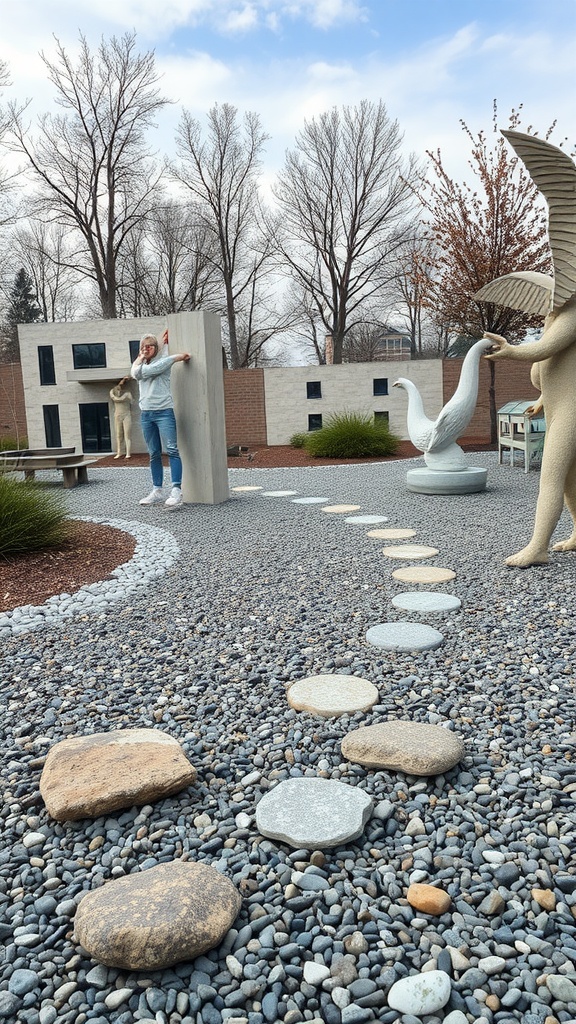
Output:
[[331, 695], [309, 501], [247, 487], [420, 994], [366, 520], [410, 551], [277, 494], [392, 533], [313, 814], [341, 508], [426, 601], [424, 574], [404, 636]]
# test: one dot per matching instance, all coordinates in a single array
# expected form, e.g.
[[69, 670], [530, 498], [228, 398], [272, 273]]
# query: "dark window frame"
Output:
[[134, 347], [380, 387], [52, 431], [314, 421], [46, 368], [89, 362], [313, 389], [381, 415]]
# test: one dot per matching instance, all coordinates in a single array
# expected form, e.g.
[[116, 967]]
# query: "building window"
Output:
[[381, 417], [46, 364], [95, 427], [313, 389], [52, 426], [89, 357], [134, 349], [380, 385], [315, 421]]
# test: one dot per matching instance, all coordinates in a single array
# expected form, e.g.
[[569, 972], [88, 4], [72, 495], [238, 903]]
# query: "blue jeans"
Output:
[[159, 428]]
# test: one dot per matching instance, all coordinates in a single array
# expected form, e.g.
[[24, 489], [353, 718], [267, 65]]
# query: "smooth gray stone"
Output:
[[309, 501], [366, 520], [310, 813], [434, 481], [427, 601], [404, 636]]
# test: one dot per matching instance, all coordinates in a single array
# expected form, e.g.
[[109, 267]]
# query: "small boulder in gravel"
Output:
[[420, 994], [158, 917], [410, 747], [313, 814], [87, 776], [428, 899]]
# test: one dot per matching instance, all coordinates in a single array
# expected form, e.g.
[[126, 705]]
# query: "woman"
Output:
[[152, 369]]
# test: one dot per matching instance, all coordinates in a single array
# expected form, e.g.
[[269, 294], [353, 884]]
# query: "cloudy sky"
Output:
[[432, 62]]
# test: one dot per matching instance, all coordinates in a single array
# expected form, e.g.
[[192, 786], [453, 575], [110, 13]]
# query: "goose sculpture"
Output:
[[437, 438]]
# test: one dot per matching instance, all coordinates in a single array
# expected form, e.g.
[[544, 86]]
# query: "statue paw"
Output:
[[527, 557]]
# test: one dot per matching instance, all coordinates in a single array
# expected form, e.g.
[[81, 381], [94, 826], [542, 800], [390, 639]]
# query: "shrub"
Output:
[[31, 517], [10, 444], [351, 435], [298, 440]]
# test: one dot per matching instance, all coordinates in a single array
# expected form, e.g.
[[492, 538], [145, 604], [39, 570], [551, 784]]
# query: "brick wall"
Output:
[[12, 410], [512, 383], [245, 407]]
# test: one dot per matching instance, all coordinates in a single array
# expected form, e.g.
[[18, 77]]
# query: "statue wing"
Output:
[[527, 290], [554, 174]]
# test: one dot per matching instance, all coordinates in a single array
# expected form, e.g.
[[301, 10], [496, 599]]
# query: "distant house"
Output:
[[392, 344]]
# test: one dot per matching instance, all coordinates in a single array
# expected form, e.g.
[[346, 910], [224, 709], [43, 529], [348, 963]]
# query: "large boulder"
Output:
[[156, 918], [86, 776]]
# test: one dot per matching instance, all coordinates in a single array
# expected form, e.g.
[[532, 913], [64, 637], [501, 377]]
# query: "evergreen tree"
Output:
[[22, 308]]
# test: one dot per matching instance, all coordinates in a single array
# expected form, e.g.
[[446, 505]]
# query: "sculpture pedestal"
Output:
[[437, 481]]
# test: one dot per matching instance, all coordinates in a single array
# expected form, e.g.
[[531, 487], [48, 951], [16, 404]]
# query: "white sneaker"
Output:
[[175, 498], [152, 498]]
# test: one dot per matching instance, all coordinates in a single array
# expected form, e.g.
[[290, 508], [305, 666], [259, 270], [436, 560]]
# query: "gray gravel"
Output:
[[265, 591]]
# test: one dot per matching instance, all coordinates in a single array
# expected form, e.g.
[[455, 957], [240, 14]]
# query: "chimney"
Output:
[[329, 350]]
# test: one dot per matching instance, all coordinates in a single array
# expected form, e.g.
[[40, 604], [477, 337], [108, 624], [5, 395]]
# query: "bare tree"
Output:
[[345, 202], [44, 250], [221, 172], [92, 164]]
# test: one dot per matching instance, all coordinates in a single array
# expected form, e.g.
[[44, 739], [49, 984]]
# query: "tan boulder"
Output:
[[156, 918], [428, 899], [410, 747], [87, 776], [545, 898]]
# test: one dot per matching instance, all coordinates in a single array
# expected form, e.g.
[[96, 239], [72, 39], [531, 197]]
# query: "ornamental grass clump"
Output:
[[31, 518], [351, 435]]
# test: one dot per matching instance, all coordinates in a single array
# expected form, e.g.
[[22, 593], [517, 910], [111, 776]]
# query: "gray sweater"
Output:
[[154, 382]]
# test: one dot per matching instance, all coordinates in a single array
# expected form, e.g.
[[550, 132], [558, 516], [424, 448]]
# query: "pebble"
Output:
[[206, 650]]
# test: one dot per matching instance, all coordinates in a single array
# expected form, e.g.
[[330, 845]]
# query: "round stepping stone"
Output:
[[341, 508], [391, 533], [424, 574], [366, 520], [309, 501], [410, 747], [313, 814], [156, 918], [247, 487], [332, 695], [277, 494], [87, 776], [409, 551], [404, 636], [426, 601]]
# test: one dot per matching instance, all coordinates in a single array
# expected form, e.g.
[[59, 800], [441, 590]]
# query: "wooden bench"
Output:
[[74, 466]]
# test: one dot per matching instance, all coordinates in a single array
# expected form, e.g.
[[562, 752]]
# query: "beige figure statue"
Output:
[[122, 417], [554, 355]]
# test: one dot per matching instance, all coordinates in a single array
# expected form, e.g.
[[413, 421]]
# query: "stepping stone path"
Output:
[[366, 520], [313, 814], [247, 487], [156, 918], [332, 695], [420, 994], [424, 574], [404, 636], [426, 601], [277, 494], [391, 533], [411, 747], [87, 776], [341, 508], [410, 551]]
